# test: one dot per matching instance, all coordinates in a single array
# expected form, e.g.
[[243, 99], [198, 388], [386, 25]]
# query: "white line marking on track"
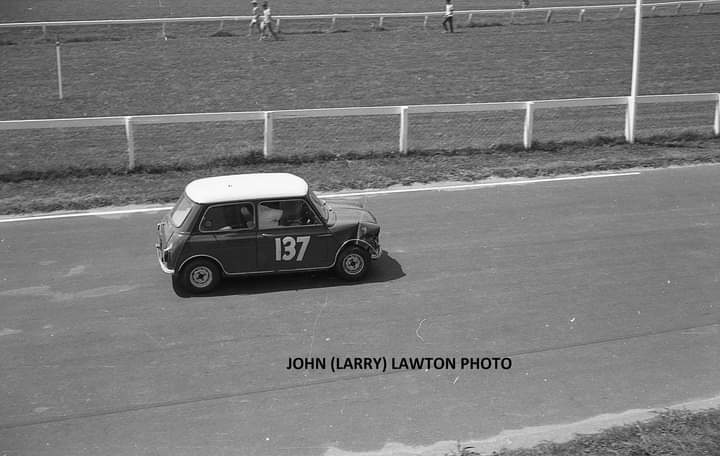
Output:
[[477, 185], [430, 188], [85, 214]]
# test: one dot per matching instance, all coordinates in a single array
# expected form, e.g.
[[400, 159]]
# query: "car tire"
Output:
[[200, 276], [352, 263]]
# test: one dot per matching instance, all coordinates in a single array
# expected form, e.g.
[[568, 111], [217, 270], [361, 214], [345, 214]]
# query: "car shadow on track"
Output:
[[384, 269]]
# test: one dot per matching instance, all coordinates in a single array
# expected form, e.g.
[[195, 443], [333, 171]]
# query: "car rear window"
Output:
[[181, 211]]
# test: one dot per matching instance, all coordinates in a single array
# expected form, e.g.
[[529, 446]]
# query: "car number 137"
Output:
[[290, 248]]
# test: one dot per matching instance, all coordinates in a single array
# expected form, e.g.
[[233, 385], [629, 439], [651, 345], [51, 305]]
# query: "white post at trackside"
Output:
[[716, 127], [403, 129], [528, 130], [632, 101], [59, 68], [130, 142], [267, 146]]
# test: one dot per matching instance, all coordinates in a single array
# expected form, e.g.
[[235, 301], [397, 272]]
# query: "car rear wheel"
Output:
[[352, 263], [200, 276]]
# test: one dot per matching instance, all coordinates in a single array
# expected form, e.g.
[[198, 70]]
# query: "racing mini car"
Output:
[[265, 223]]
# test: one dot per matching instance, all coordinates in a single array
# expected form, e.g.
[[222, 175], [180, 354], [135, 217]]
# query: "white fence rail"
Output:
[[403, 111], [652, 7]]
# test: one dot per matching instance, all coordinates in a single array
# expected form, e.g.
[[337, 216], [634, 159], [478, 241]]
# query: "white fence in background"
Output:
[[332, 18], [403, 111]]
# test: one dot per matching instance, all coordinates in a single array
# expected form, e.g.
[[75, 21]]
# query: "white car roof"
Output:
[[237, 187]]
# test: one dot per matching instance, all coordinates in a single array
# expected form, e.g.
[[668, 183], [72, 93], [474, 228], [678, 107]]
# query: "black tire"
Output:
[[352, 263], [200, 276]]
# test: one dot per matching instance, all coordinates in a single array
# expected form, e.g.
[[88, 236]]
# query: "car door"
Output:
[[291, 236], [227, 232]]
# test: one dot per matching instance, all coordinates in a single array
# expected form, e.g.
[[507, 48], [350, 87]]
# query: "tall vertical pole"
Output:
[[632, 102], [59, 68]]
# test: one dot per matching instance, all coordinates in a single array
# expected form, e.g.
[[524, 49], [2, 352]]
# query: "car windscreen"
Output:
[[181, 210], [319, 205]]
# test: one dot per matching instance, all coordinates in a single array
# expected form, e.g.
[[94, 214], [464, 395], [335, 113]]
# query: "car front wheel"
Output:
[[352, 263], [200, 276]]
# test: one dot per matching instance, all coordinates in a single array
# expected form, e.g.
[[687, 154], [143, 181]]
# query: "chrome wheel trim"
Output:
[[353, 264], [201, 276]]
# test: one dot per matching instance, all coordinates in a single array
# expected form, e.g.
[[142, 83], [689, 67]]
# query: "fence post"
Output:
[[277, 25], [677, 9], [548, 16], [700, 7], [403, 130], [44, 29], [630, 120], [164, 35], [620, 11], [425, 23], [267, 147], [528, 131], [652, 11], [716, 127], [332, 26], [380, 22], [130, 143], [512, 17], [581, 16], [469, 19], [59, 68]]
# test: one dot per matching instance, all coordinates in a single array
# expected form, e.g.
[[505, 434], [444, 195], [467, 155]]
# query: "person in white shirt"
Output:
[[449, 12], [267, 23], [255, 21]]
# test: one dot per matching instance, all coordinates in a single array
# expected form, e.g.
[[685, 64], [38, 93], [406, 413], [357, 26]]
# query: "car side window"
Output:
[[228, 217], [281, 214]]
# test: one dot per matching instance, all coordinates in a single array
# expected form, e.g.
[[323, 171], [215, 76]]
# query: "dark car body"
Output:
[[262, 224]]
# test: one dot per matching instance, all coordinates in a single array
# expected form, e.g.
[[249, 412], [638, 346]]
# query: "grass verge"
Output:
[[80, 188], [673, 432]]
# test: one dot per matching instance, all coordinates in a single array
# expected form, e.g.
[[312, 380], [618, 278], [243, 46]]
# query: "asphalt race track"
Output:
[[602, 292]]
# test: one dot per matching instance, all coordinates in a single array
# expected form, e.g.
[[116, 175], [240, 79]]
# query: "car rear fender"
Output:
[[195, 257]]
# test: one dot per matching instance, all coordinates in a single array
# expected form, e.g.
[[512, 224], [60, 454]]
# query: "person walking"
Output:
[[448, 21], [267, 23], [255, 21]]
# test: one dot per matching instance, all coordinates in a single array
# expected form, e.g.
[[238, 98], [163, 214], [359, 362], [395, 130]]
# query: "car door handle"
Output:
[[266, 235]]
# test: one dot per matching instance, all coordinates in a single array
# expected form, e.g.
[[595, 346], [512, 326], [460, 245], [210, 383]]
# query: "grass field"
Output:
[[48, 10], [394, 67], [129, 71], [671, 433]]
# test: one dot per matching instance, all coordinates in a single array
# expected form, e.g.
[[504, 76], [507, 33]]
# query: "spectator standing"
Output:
[[255, 21], [449, 12], [267, 23]]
